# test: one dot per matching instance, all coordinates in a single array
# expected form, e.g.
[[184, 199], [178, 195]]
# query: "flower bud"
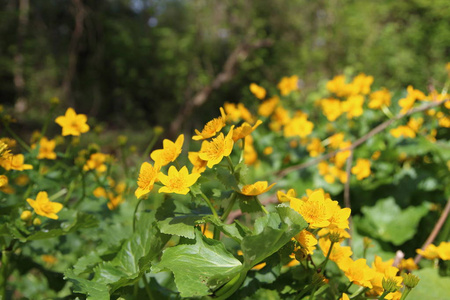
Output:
[[122, 140], [390, 285], [410, 280], [37, 222], [26, 215], [334, 237], [157, 130], [54, 101]]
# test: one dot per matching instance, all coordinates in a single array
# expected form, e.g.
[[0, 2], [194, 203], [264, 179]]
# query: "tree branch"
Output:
[[359, 141], [239, 53]]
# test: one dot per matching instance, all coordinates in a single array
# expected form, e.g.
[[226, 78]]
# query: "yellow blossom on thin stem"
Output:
[[286, 197], [46, 148], [96, 162], [353, 106], [298, 126], [443, 250], [211, 128], [177, 182], [3, 180], [358, 272], [380, 98], [315, 147], [15, 162], [256, 188], [148, 175], [44, 207], [244, 130], [258, 91], [169, 153], [214, 151], [307, 241], [72, 123], [331, 108], [114, 202]]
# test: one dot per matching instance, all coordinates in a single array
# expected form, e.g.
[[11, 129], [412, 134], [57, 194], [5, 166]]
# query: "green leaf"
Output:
[[388, 222], [195, 265], [248, 204], [272, 232], [231, 230], [180, 225], [431, 285], [227, 179], [94, 290]]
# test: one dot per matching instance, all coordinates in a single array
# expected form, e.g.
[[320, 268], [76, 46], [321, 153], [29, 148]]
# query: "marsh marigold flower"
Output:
[[44, 207], [315, 147], [267, 107], [286, 197], [362, 83], [211, 128], [361, 169], [353, 106], [169, 153], [256, 188], [114, 201], [15, 162], [307, 241], [177, 182], [315, 210], [298, 126], [288, 85], [46, 149], [3, 180], [72, 123], [258, 91], [331, 108], [198, 163], [244, 130], [358, 272], [148, 175], [214, 151], [96, 162], [380, 98]]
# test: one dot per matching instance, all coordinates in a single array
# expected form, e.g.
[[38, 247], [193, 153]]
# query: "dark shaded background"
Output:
[[140, 63]]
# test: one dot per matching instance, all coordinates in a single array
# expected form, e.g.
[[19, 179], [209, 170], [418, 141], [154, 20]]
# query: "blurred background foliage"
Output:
[[139, 63]]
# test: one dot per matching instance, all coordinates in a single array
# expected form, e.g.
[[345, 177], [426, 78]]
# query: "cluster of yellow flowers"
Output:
[[328, 223], [432, 252]]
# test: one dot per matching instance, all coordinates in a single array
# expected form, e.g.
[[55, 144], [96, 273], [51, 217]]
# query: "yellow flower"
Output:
[[408, 102], [339, 254], [44, 207], [338, 86], [46, 148], [72, 124], [177, 182], [361, 83], [408, 264], [5, 153], [402, 130], [250, 155], [3, 180], [307, 241], [211, 128], [214, 151], [256, 188], [169, 153], [258, 91], [443, 250], [206, 232], [279, 118], [331, 108], [344, 297], [15, 162], [380, 98], [244, 130], [315, 210], [315, 147], [114, 201], [339, 216], [233, 114], [288, 85], [336, 140], [100, 192], [298, 126], [359, 273], [353, 106], [49, 259], [148, 174], [96, 162], [26, 215], [430, 252], [198, 163], [362, 168], [267, 107], [268, 150], [286, 197]]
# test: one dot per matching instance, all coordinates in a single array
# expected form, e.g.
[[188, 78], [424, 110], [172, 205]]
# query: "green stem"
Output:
[[83, 189], [134, 214], [405, 293], [311, 297], [15, 136], [348, 286], [150, 145], [262, 206], [47, 121], [4, 274], [58, 194], [229, 208], [230, 163], [69, 193], [147, 288], [232, 286], [324, 263], [209, 204], [358, 292], [383, 295]]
